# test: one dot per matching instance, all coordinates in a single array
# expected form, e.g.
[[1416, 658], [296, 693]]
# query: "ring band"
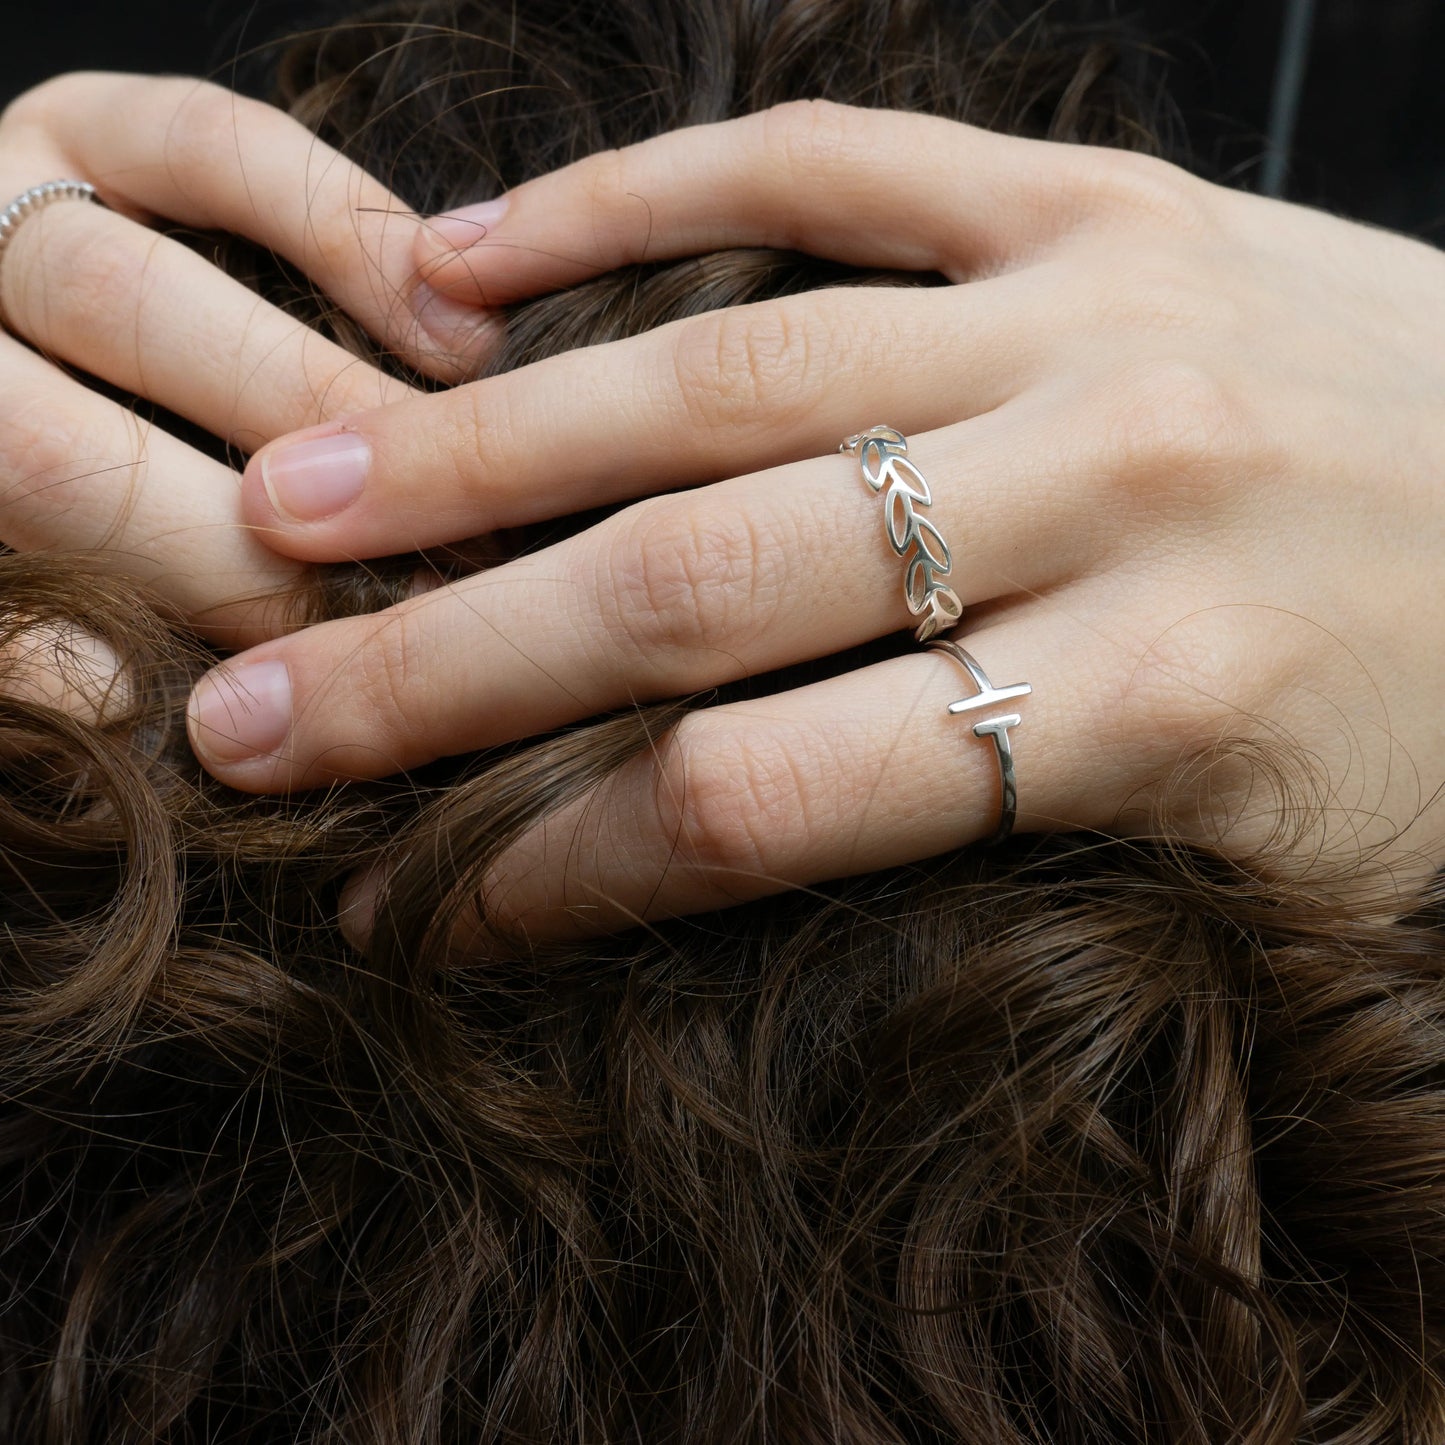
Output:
[[882, 451], [996, 728], [27, 203]]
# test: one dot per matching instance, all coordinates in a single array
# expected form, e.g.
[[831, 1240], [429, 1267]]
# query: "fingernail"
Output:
[[315, 477], [453, 325], [241, 710], [456, 230]]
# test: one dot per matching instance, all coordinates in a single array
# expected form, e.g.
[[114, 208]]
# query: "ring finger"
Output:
[[863, 771]]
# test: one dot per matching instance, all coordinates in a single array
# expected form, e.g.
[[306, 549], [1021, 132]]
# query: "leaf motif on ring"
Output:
[[931, 545], [883, 454], [943, 611], [947, 607], [900, 511], [919, 582], [875, 455]]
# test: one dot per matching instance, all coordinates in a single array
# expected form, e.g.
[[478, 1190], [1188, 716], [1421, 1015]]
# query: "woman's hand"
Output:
[[94, 288], [1187, 445]]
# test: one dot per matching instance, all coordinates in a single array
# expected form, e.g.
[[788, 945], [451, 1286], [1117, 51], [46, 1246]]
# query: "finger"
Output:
[[864, 187], [61, 666], [864, 771], [676, 594], [79, 473], [202, 156], [150, 316], [714, 395]]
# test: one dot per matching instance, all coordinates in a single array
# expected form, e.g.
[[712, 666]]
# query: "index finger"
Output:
[[872, 188]]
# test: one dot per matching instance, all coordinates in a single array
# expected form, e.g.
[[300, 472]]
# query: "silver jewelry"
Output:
[[996, 728], [883, 453], [35, 199]]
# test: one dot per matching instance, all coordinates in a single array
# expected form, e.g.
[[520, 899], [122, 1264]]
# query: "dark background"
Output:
[[1370, 140]]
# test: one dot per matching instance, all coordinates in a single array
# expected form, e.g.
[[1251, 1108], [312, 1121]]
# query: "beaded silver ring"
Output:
[[27, 203]]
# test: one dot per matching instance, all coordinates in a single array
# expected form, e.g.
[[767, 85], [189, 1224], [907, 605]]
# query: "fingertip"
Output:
[[61, 666], [442, 250], [296, 488], [455, 335], [237, 718], [312, 475], [464, 277], [356, 908], [457, 229]]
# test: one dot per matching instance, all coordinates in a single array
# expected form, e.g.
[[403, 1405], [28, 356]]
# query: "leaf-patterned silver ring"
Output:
[[882, 451]]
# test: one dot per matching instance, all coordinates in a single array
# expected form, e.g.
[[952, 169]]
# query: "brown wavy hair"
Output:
[[1082, 1140]]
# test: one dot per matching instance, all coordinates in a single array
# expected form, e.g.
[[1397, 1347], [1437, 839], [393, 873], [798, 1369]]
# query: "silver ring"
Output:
[[883, 453], [35, 199], [996, 728]]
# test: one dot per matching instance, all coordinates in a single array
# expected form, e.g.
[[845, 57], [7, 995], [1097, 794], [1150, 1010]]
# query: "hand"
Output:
[[95, 289], [1188, 447]]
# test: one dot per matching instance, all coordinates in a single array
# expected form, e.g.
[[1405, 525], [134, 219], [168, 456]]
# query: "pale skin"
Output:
[[97, 289], [1187, 446]]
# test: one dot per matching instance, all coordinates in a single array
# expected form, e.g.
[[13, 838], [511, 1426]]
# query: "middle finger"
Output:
[[706, 397]]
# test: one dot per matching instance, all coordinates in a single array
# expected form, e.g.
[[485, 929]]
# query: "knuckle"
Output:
[[605, 183], [727, 803], [1189, 689], [1135, 186], [206, 121], [1161, 699], [38, 107], [675, 583], [808, 137], [740, 367], [476, 437], [389, 679], [32, 447], [47, 471], [74, 265], [212, 139], [471, 427], [336, 247], [1177, 426]]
